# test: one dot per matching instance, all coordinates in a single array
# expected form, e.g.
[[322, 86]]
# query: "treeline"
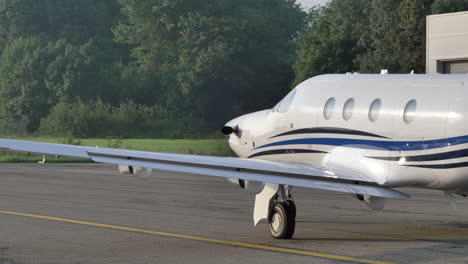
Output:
[[367, 36], [179, 68], [186, 64], [126, 120]]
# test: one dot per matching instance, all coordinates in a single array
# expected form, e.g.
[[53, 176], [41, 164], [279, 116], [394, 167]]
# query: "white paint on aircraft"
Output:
[[358, 133]]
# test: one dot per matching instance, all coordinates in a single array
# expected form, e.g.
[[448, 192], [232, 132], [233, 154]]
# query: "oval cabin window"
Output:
[[329, 108], [374, 110], [410, 111], [348, 109]]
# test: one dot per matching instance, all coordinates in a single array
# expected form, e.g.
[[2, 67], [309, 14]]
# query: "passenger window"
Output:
[[410, 111], [374, 110], [286, 102], [348, 109], [329, 108]]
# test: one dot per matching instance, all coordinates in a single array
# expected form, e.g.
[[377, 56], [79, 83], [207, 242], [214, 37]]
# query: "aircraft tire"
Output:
[[292, 209], [292, 217], [282, 220]]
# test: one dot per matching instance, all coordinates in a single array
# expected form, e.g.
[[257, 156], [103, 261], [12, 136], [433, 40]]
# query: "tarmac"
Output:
[[89, 213]]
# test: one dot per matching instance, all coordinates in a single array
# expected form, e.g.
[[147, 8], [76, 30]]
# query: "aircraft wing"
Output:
[[294, 174]]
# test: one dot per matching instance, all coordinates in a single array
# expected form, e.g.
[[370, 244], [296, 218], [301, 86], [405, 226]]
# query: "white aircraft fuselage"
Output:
[[354, 133], [398, 130]]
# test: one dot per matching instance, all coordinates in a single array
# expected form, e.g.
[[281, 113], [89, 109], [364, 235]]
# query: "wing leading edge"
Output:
[[300, 175]]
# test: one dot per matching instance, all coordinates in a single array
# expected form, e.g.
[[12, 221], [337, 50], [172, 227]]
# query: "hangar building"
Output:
[[447, 43]]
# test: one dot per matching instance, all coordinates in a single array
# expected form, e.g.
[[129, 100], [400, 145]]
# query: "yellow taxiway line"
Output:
[[201, 239]]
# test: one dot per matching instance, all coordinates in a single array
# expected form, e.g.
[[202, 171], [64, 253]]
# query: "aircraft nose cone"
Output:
[[227, 130]]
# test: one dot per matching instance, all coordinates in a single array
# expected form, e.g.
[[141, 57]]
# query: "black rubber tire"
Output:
[[284, 214], [292, 208], [292, 217]]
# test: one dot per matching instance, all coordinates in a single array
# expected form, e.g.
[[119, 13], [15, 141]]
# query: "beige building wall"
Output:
[[447, 43]]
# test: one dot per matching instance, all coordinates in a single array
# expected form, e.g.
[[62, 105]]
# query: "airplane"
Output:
[[364, 134]]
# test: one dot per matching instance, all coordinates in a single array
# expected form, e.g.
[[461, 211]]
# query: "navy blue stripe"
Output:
[[329, 130], [284, 151], [462, 153], [374, 144], [441, 166]]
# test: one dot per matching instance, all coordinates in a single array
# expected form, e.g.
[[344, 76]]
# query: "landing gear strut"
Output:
[[282, 216]]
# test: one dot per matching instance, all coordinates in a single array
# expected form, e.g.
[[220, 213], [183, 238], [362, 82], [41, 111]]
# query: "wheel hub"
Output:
[[276, 222]]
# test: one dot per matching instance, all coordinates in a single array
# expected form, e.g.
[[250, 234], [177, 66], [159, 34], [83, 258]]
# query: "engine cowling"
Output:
[[140, 172], [253, 187]]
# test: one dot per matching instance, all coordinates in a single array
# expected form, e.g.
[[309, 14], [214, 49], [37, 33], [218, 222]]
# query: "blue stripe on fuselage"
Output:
[[374, 144]]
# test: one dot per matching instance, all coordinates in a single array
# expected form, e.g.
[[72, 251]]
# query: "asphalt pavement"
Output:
[[89, 213]]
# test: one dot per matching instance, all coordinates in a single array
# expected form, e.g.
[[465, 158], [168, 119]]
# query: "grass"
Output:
[[214, 147]]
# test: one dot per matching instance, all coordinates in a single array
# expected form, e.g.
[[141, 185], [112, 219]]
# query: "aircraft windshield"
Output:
[[283, 106]]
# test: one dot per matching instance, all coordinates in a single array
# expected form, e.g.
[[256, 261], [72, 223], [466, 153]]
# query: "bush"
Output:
[[13, 127], [66, 120], [128, 120]]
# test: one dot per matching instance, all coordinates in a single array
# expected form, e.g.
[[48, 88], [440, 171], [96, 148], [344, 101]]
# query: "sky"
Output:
[[311, 3]]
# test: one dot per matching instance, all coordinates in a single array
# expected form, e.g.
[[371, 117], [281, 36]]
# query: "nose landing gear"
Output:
[[282, 220], [282, 216]]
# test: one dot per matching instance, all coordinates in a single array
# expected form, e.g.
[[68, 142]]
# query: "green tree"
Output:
[[397, 36], [411, 38], [368, 36], [329, 45], [24, 94], [75, 21], [35, 75], [84, 24], [378, 46], [449, 6], [232, 56]]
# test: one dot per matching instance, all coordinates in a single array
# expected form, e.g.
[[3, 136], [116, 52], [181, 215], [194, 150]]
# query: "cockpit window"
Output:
[[284, 105]]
